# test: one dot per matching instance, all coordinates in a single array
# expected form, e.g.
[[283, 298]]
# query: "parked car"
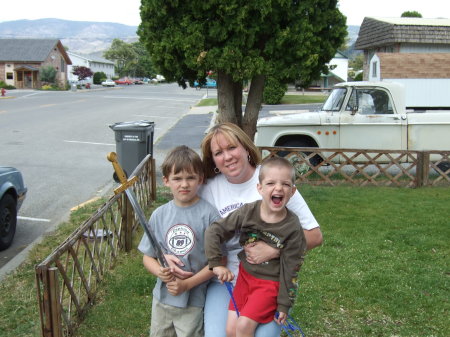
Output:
[[12, 195], [210, 83], [138, 81], [109, 83], [123, 81]]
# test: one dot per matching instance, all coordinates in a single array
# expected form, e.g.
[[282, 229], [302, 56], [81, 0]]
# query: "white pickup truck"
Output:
[[360, 115]]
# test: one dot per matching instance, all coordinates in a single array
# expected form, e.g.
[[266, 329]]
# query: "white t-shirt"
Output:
[[228, 197]]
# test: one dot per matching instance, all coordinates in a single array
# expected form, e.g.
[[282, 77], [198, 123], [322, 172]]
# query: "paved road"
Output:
[[59, 140]]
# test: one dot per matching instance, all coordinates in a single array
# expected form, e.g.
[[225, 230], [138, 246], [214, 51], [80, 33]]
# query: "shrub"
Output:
[[274, 91], [47, 74], [99, 77], [6, 86]]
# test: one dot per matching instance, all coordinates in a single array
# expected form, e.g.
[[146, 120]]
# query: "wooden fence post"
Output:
[[423, 168], [153, 178], [49, 301], [128, 228], [55, 303]]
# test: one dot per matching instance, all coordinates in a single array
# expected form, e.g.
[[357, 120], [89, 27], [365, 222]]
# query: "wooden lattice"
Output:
[[366, 167], [68, 279]]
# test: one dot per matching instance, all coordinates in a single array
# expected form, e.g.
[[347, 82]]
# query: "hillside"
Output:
[[79, 36], [87, 37]]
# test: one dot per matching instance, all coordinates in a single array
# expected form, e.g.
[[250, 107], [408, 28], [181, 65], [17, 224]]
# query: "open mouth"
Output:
[[276, 199]]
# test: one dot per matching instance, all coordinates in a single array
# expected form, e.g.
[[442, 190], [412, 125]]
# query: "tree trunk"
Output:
[[253, 106], [229, 98]]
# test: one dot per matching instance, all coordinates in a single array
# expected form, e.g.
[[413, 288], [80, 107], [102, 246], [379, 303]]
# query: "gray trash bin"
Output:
[[134, 140]]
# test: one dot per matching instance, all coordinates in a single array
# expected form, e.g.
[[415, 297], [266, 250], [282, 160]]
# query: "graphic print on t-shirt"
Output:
[[180, 239]]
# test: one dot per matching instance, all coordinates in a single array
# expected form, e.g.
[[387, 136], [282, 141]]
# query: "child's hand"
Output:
[[165, 275], [223, 274], [174, 264], [281, 319], [176, 287]]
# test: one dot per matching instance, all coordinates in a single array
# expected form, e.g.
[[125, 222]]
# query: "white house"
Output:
[[337, 72], [95, 63]]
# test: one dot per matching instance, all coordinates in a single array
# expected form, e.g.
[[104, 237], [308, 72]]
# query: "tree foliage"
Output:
[[241, 40], [411, 14], [99, 77], [82, 72], [47, 74], [131, 59]]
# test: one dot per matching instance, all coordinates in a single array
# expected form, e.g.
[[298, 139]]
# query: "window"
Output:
[[370, 102], [9, 76], [62, 65], [374, 69], [334, 101]]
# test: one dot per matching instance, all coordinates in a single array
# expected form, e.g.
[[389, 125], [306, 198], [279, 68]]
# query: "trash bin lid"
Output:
[[131, 125]]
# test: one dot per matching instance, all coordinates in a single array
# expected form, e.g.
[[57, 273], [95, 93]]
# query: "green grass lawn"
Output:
[[383, 270], [287, 99]]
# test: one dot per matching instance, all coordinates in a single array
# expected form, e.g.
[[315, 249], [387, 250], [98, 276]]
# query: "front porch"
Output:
[[26, 77]]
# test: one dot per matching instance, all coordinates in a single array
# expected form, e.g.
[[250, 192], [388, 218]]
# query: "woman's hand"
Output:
[[174, 264], [259, 252]]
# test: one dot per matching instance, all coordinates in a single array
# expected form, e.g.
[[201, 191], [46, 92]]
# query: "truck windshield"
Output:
[[334, 101]]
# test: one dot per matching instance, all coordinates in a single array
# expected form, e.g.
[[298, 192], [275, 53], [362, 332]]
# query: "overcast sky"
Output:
[[127, 11]]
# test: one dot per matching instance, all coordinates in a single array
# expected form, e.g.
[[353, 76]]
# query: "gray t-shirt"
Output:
[[180, 231]]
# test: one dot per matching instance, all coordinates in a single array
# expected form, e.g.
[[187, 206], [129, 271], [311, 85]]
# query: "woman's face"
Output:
[[231, 158]]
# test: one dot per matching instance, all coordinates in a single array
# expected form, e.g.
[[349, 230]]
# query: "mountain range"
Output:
[[87, 37], [84, 37]]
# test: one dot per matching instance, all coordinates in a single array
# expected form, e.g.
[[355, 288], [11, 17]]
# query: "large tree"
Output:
[[241, 40], [131, 59]]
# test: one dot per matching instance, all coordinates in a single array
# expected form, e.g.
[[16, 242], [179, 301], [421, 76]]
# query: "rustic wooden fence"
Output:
[[68, 279], [367, 167]]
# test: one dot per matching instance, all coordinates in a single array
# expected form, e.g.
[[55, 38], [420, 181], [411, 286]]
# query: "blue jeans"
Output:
[[216, 312]]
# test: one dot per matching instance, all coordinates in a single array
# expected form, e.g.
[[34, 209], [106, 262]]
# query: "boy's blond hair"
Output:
[[182, 158], [276, 162]]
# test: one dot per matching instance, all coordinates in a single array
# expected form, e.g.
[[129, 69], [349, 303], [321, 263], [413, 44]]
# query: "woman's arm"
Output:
[[313, 238], [259, 252], [174, 263]]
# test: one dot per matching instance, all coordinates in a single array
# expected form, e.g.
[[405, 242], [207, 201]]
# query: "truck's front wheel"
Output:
[[294, 158]]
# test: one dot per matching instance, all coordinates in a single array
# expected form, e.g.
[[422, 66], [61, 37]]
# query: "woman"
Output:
[[231, 162]]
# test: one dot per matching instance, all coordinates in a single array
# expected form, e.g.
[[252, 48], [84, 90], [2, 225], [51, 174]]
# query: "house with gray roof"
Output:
[[94, 63], [21, 60], [402, 35]]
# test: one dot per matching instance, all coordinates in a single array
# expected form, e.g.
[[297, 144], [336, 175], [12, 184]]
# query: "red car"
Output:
[[123, 81]]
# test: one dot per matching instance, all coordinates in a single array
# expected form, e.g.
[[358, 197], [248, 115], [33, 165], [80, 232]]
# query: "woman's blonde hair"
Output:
[[233, 134]]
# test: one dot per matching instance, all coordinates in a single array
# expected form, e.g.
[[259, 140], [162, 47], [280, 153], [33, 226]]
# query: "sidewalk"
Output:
[[189, 131]]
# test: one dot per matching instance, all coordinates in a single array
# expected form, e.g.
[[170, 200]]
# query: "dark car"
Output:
[[12, 195]]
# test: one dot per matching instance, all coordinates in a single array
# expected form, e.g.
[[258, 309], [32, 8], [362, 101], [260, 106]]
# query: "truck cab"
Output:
[[355, 115]]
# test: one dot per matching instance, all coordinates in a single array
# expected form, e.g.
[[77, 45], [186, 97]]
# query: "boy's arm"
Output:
[[220, 231], [153, 266], [178, 286]]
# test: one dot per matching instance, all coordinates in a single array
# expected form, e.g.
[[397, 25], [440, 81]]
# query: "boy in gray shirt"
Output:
[[179, 227]]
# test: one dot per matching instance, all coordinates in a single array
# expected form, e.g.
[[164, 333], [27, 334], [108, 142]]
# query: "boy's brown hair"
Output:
[[182, 158], [276, 161]]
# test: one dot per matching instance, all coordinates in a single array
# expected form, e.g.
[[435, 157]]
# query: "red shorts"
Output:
[[255, 298]]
